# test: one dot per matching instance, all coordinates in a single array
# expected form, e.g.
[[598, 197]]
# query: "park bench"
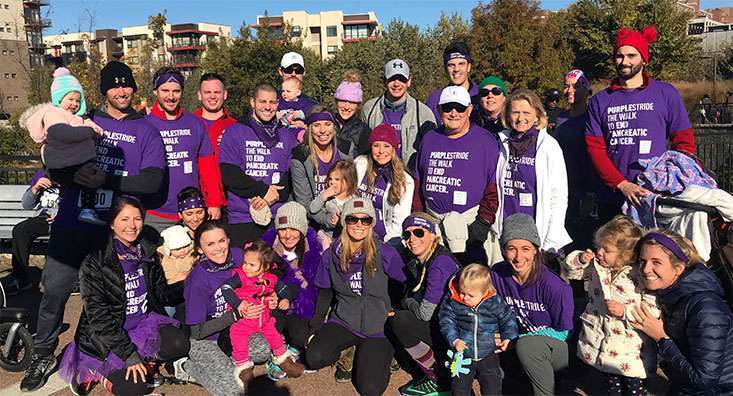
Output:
[[11, 210]]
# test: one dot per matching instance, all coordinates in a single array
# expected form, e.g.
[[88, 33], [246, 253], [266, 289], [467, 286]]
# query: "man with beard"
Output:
[[130, 161], [457, 62], [410, 117], [189, 154], [255, 167], [212, 94], [632, 120]]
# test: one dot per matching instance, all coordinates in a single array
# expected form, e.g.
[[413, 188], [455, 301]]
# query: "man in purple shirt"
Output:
[[255, 166], [457, 62], [130, 160]]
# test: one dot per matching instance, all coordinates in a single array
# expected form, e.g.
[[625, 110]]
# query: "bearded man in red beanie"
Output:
[[632, 120]]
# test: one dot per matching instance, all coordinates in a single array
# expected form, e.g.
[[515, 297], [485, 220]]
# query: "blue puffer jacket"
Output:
[[476, 326], [697, 360]]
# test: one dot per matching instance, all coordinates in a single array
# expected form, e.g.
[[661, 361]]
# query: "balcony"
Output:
[[37, 3], [179, 48], [36, 23]]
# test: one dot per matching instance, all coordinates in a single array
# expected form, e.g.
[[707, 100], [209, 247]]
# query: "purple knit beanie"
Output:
[[349, 91]]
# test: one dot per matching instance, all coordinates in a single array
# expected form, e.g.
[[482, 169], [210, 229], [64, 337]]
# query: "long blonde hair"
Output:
[[312, 146], [532, 99], [368, 246], [397, 190]]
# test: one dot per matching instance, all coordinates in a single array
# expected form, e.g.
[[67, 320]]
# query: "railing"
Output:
[[18, 169], [713, 113], [715, 150]]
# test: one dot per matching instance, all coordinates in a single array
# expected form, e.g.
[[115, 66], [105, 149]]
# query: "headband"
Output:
[[415, 221], [322, 116], [456, 55], [191, 203], [668, 243], [168, 77], [578, 75]]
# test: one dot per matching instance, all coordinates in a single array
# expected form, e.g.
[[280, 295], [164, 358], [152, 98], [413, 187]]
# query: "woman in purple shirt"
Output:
[[123, 324], [355, 270], [541, 300], [415, 326]]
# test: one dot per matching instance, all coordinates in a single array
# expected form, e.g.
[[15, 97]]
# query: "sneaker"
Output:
[[274, 372], [14, 286], [37, 373], [90, 216], [394, 366], [422, 387], [81, 389], [179, 371], [342, 374]]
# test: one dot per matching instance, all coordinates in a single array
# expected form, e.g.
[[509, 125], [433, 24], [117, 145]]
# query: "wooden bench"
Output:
[[11, 210]]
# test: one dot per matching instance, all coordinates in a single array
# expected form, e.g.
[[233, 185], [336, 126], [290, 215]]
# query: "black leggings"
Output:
[[371, 363], [242, 233], [409, 330], [174, 344], [295, 329]]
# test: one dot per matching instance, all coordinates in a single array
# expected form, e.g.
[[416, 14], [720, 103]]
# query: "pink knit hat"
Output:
[[349, 91]]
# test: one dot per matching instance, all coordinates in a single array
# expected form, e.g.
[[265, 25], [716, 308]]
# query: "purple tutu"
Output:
[[80, 368]]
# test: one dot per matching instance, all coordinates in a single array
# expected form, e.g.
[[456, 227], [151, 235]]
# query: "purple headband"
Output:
[[415, 221], [168, 77], [322, 116], [668, 243], [191, 203]]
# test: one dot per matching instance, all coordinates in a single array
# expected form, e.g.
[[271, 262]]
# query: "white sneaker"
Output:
[[179, 372]]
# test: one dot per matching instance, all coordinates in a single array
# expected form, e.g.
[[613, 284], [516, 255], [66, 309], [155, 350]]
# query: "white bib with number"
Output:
[[102, 199]]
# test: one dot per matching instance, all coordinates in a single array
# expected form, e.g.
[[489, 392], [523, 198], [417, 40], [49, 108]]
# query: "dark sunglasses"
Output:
[[297, 69], [351, 220], [399, 78], [448, 107], [417, 232], [496, 91]]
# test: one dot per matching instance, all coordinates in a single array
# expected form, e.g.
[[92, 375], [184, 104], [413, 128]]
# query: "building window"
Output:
[[132, 43], [12, 52], [2, 29], [7, 75], [13, 75], [5, 52], [15, 98], [332, 49], [331, 31], [356, 31], [9, 98]]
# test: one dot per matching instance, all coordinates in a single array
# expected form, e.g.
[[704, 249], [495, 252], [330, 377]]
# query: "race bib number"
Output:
[[525, 199], [459, 197], [275, 178], [187, 167], [645, 146], [102, 199]]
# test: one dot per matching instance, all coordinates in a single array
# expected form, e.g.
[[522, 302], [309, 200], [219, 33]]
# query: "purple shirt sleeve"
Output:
[[442, 268], [593, 125], [195, 297], [392, 263], [229, 148], [559, 300], [323, 278], [153, 155]]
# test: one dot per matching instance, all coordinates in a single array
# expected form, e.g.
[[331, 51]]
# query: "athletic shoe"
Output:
[[75, 291], [37, 373], [179, 371], [422, 387], [394, 366], [81, 389], [342, 374], [90, 216], [274, 372]]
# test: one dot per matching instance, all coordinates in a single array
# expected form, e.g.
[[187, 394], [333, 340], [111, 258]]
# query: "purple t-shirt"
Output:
[[377, 195], [240, 146], [323, 168], [571, 137], [394, 118], [636, 124], [126, 147], [439, 272], [519, 183], [548, 302], [202, 290], [453, 173], [434, 99], [136, 292], [185, 140]]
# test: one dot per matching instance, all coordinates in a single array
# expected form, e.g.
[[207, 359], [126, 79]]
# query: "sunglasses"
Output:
[[296, 69], [448, 107], [351, 220], [496, 91], [417, 232]]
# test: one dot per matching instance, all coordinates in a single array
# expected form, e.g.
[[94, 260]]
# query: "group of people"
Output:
[[302, 237]]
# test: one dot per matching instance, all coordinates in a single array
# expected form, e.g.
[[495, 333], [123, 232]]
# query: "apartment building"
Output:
[[325, 32], [21, 49], [62, 49]]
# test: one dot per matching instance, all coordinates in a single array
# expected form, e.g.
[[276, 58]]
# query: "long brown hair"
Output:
[[310, 142], [397, 190], [368, 246]]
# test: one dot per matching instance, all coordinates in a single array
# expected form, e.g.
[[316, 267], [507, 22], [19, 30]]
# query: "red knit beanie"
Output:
[[640, 41], [384, 133]]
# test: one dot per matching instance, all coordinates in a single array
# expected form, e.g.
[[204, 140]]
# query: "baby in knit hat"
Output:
[[291, 90], [67, 138], [177, 254]]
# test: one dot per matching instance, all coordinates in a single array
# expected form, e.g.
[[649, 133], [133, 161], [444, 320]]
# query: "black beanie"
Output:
[[116, 74]]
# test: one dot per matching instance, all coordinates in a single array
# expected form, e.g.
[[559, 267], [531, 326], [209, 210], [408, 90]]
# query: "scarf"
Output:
[[520, 143], [128, 253], [267, 133], [395, 106]]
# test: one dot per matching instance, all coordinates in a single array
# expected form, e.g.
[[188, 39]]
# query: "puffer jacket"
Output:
[[352, 136], [608, 343], [697, 357], [102, 285], [476, 326]]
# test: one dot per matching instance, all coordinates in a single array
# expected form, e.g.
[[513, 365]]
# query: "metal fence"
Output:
[[715, 150], [18, 169]]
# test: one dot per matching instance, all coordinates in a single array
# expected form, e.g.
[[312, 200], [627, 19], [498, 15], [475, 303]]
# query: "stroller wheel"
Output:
[[15, 355]]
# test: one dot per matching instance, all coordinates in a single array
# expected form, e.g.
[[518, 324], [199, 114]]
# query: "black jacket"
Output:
[[102, 287], [353, 136], [697, 357]]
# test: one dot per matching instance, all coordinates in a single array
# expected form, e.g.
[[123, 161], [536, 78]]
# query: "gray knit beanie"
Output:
[[356, 206], [292, 215], [519, 226]]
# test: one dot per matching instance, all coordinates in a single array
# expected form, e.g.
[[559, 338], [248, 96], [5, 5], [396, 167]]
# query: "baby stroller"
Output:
[[16, 342]]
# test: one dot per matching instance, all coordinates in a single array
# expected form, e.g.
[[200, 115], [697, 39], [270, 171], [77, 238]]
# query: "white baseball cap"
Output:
[[455, 94], [292, 58]]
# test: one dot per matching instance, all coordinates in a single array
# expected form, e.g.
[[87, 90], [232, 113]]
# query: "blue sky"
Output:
[[74, 15]]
